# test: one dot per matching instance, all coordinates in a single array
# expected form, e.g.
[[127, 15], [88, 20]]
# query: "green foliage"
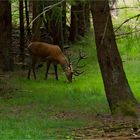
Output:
[[129, 48]]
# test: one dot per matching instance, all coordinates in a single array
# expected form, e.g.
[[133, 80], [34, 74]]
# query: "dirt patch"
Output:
[[102, 127], [5, 86], [109, 128]]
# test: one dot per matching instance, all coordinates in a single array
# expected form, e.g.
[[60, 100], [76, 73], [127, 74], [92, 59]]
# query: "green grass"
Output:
[[130, 53], [50, 109]]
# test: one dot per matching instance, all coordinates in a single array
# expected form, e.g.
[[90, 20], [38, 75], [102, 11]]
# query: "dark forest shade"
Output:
[[6, 62], [21, 16]]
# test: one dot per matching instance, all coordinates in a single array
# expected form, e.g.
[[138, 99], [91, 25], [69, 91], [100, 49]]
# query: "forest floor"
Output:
[[96, 126], [55, 110], [105, 127]]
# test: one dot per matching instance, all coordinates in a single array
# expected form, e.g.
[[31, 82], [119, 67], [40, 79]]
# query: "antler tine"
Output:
[[77, 71], [81, 56]]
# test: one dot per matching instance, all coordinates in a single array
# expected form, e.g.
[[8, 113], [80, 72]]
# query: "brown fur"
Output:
[[50, 52]]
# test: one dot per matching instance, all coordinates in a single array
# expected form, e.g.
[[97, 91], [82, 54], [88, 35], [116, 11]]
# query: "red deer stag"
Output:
[[53, 54]]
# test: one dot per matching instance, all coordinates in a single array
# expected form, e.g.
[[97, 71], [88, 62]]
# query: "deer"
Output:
[[53, 54]]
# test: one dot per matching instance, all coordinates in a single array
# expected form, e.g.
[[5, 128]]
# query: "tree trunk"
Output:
[[27, 19], [73, 24], [55, 23], [6, 61], [22, 39], [64, 21], [37, 23], [87, 16], [118, 91], [81, 18]]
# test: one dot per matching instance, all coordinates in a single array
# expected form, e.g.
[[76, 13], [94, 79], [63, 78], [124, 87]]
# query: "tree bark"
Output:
[[27, 19], [6, 61], [87, 16], [37, 23], [64, 21], [81, 18], [118, 91], [73, 25], [55, 23], [22, 39]]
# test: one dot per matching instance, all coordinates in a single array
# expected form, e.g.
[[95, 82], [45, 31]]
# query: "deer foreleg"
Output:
[[55, 69], [34, 60], [47, 69]]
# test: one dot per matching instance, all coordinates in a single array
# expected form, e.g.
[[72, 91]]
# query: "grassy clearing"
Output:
[[51, 109], [47, 109], [130, 53]]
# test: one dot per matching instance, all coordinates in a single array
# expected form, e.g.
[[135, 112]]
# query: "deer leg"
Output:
[[47, 70], [33, 66], [55, 69], [29, 72], [30, 67]]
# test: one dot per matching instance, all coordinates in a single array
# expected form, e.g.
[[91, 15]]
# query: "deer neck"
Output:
[[64, 64]]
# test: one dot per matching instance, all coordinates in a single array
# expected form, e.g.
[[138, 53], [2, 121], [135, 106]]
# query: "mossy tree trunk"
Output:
[[118, 91]]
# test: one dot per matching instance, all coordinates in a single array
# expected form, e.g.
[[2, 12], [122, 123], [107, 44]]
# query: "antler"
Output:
[[77, 67], [77, 70]]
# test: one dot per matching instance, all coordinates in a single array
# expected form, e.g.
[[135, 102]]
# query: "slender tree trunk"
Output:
[[55, 23], [64, 21], [73, 24], [6, 61], [78, 21], [22, 39], [27, 19], [87, 16], [118, 91], [81, 18], [37, 23]]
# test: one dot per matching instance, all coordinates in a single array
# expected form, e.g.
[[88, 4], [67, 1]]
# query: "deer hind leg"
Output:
[[47, 69], [34, 60], [30, 67], [29, 72], [55, 69]]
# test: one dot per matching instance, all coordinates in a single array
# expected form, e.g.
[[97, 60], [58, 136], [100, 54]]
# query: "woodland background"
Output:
[[107, 32]]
